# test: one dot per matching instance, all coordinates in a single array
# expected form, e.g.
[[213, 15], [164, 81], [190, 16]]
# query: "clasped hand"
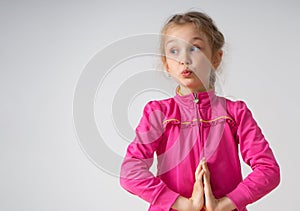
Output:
[[202, 196]]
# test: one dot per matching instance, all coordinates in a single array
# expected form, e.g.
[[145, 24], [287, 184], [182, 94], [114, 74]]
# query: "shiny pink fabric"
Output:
[[181, 131]]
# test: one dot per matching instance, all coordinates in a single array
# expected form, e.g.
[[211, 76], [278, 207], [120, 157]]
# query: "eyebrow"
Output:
[[198, 38], [194, 38]]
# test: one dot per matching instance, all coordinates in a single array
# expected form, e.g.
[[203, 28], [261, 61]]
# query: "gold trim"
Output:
[[178, 91], [195, 120], [169, 120], [215, 119]]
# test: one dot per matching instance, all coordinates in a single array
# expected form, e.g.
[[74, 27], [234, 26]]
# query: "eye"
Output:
[[195, 48], [173, 51]]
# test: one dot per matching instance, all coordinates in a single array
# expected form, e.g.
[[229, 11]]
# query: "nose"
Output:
[[184, 63], [185, 60]]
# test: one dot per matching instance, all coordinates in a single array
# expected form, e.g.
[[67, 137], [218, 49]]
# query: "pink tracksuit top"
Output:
[[183, 129]]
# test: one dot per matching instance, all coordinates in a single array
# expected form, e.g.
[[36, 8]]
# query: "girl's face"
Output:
[[189, 57]]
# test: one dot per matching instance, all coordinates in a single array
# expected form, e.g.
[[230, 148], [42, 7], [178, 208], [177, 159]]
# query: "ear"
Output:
[[165, 64], [166, 67], [217, 59]]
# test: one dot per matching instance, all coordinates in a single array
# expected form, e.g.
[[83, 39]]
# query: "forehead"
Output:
[[186, 32]]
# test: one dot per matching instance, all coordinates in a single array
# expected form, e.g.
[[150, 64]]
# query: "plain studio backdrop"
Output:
[[44, 48]]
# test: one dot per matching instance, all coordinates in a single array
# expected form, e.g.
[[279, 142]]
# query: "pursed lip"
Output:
[[186, 71]]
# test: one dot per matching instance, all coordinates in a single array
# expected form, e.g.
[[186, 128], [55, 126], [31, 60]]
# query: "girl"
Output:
[[196, 134]]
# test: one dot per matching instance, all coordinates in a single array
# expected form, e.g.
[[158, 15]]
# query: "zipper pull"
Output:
[[196, 100]]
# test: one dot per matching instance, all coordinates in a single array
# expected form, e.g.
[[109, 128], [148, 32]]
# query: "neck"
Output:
[[184, 90]]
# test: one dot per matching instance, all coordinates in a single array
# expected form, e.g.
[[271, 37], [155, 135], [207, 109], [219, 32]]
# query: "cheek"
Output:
[[202, 67], [202, 63], [172, 63]]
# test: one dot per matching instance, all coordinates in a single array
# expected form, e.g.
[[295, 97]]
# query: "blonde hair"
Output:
[[203, 23]]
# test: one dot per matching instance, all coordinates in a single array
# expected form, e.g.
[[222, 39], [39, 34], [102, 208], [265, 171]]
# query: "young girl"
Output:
[[196, 134]]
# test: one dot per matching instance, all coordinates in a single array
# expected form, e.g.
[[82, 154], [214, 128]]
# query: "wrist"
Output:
[[225, 204], [182, 203]]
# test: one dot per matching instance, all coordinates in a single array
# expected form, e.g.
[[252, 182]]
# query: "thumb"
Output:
[[206, 177], [207, 186]]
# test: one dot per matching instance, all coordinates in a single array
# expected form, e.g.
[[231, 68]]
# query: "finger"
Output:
[[207, 188], [206, 178], [203, 160], [200, 164], [205, 167], [199, 168], [207, 185], [201, 175], [206, 172]]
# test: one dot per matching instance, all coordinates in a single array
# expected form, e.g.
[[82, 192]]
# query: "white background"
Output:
[[44, 46]]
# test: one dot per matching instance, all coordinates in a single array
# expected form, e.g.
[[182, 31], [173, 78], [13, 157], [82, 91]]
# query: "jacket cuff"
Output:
[[240, 197], [165, 198]]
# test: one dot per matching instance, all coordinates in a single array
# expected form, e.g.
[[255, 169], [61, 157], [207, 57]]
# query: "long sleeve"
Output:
[[135, 175], [258, 155]]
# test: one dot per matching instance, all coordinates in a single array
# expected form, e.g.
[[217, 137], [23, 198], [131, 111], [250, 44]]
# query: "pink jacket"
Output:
[[183, 129]]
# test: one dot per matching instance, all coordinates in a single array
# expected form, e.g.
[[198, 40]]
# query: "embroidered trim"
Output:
[[170, 120], [195, 120]]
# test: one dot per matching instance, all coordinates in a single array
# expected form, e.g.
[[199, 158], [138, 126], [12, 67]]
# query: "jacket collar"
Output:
[[205, 98]]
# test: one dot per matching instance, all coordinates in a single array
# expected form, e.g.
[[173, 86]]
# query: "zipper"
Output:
[[198, 115]]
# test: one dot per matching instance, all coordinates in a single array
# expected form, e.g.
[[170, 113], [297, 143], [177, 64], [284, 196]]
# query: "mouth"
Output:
[[186, 72]]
